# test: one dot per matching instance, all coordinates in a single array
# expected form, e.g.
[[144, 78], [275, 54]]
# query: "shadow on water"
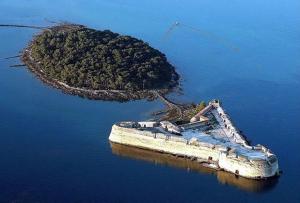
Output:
[[255, 186]]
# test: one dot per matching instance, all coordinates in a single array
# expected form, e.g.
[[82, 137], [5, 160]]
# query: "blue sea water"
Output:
[[54, 147]]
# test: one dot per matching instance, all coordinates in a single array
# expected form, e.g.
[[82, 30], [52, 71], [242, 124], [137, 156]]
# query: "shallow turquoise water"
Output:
[[54, 147]]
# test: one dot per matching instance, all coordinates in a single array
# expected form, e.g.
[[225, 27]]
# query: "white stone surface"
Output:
[[218, 147]]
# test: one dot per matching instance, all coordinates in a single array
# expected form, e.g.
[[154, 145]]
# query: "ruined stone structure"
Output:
[[213, 142]]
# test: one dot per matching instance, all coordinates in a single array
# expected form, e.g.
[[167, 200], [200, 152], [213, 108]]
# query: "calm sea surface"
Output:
[[54, 147]]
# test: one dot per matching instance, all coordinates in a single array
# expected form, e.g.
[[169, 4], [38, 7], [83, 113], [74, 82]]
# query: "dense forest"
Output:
[[92, 59]]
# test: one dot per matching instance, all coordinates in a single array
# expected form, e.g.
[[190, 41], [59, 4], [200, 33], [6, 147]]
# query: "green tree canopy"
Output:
[[88, 58]]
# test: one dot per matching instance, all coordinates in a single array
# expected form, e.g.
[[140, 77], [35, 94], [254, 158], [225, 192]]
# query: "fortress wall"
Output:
[[246, 168], [161, 143], [178, 139], [195, 149]]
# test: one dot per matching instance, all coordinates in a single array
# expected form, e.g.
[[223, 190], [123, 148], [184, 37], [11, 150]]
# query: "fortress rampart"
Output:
[[214, 142], [216, 156]]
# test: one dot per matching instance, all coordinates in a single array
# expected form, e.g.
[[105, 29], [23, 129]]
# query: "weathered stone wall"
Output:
[[194, 149], [161, 142], [247, 168]]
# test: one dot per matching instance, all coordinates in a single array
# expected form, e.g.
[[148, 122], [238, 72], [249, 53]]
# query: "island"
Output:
[[98, 64], [108, 66]]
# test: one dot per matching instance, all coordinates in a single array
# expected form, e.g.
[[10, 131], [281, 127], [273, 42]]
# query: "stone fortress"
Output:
[[210, 139]]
